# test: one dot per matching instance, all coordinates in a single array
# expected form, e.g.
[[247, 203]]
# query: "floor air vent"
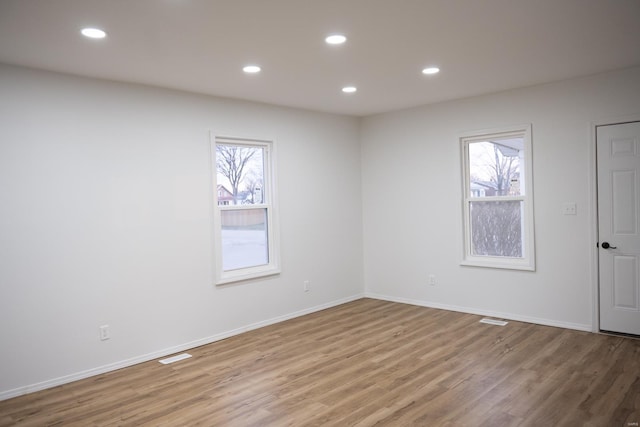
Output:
[[175, 358], [493, 322]]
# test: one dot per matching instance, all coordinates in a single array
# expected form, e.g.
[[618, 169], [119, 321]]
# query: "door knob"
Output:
[[606, 245]]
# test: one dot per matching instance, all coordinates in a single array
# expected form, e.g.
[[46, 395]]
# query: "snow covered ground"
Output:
[[244, 248]]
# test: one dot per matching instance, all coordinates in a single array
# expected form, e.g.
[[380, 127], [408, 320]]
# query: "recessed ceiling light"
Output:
[[431, 70], [335, 39], [251, 69], [349, 89], [93, 33]]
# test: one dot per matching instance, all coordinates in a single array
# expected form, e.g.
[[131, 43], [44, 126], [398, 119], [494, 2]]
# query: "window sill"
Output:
[[244, 275], [508, 264]]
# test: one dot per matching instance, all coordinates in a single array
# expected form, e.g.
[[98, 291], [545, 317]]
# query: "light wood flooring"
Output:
[[365, 363]]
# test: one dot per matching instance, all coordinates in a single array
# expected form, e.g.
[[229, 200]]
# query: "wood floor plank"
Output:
[[365, 363]]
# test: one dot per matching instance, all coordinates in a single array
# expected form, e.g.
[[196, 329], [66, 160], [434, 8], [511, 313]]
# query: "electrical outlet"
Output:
[[569, 208], [432, 280], [306, 286], [104, 333]]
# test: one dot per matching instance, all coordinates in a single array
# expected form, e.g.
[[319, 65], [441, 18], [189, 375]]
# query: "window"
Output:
[[245, 230], [498, 202]]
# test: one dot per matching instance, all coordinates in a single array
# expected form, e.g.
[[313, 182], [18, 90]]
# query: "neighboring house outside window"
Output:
[[224, 196]]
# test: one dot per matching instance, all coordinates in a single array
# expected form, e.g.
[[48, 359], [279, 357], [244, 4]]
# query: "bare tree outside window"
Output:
[[235, 163], [254, 186], [496, 225], [496, 166]]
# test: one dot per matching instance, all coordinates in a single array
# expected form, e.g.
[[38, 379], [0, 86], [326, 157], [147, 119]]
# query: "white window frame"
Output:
[[269, 203], [527, 262]]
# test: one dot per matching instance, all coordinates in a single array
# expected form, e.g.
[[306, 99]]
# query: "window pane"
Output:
[[240, 174], [496, 228], [244, 238], [495, 168]]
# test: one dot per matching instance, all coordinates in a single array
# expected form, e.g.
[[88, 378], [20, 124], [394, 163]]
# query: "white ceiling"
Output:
[[481, 46]]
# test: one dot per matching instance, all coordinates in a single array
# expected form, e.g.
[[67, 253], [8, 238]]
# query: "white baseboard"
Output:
[[167, 351], [471, 310], [208, 340]]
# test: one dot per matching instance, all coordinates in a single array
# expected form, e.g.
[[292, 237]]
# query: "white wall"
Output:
[[105, 219], [412, 206], [105, 215]]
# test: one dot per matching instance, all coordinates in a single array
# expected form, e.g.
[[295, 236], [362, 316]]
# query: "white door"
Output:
[[618, 151]]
